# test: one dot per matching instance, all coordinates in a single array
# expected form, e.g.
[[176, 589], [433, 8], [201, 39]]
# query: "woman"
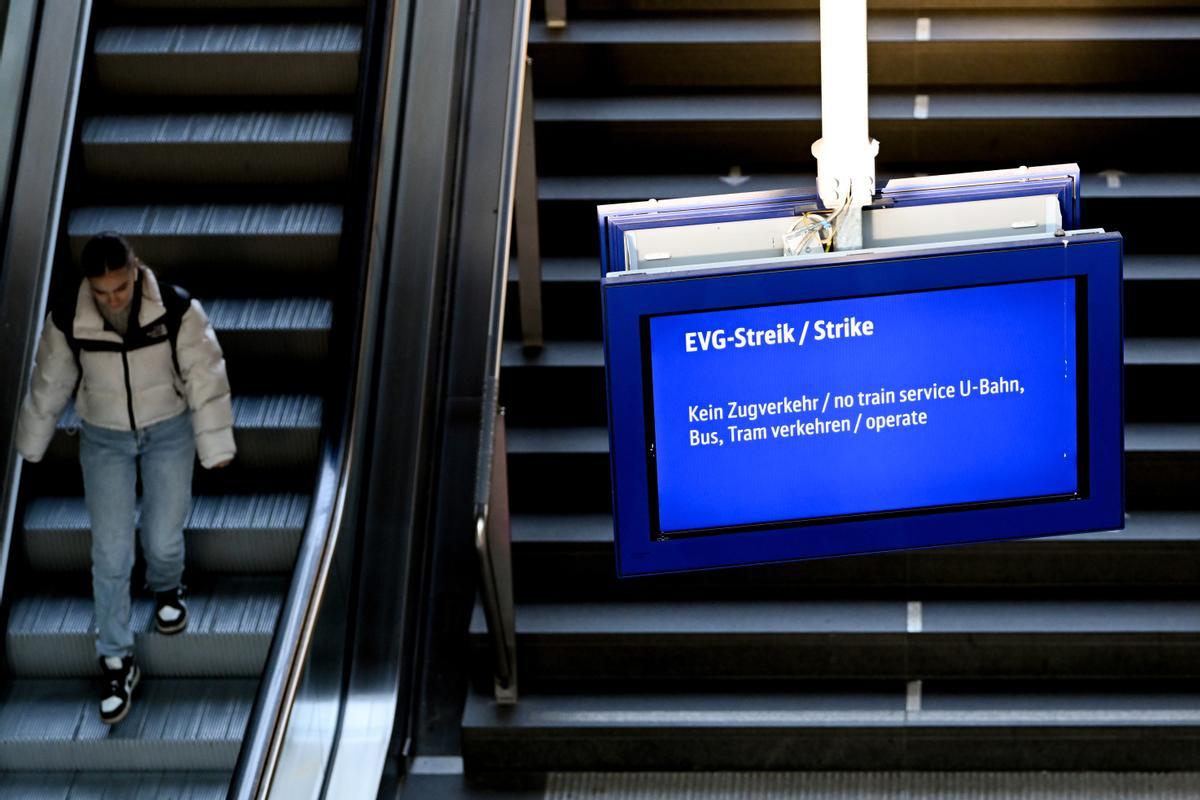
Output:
[[149, 382]]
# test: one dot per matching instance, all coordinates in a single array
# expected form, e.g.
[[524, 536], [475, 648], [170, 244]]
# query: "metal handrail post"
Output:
[[529, 256], [495, 545], [556, 13]]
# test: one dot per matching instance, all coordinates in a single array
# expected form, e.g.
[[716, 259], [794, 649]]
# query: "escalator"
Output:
[[219, 139]]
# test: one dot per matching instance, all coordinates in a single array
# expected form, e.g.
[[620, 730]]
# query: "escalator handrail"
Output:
[[33, 226], [327, 523], [18, 24]]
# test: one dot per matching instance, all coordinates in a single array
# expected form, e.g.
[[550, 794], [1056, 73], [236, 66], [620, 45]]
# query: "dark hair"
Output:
[[104, 253]]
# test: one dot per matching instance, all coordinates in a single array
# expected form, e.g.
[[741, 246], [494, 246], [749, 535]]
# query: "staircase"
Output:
[[1064, 654], [216, 137]]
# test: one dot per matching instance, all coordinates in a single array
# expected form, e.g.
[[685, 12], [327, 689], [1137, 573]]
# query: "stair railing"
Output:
[[493, 541], [529, 256]]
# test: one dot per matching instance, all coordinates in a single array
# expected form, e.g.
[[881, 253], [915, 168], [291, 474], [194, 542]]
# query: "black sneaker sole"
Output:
[[171, 630], [137, 678]]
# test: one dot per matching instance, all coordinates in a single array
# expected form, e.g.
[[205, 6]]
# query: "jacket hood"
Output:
[[146, 302]]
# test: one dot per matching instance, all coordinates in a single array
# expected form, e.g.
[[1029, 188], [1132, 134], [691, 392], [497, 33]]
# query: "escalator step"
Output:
[[272, 431], [267, 236], [124, 785], [259, 315], [301, 59], [233, 148], [273, 344], [232, 533], [220, 4], [54, 725], [230, 625]]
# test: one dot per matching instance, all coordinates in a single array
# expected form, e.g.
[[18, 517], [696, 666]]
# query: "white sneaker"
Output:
[[122, 676]]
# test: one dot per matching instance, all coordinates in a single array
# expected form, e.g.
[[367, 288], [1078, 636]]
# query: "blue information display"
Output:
[[860, 406], [772, 409]]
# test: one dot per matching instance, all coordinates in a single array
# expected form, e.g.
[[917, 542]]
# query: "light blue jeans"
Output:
[[167, 451]]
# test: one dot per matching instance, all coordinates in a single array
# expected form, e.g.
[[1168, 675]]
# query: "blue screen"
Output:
[[864, 405]]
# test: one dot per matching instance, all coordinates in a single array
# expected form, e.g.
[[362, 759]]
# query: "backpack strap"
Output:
[[62, 314], [176, 301]]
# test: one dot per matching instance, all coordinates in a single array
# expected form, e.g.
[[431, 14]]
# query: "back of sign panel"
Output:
[[761, 241]]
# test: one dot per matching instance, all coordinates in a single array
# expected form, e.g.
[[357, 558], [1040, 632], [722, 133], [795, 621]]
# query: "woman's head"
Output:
[[110, 266]]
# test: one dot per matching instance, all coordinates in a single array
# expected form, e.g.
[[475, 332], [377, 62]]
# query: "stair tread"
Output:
[[253, 127], [255, 512], [1178, 267], [624, 188], [821, 617], [269, 314], [171, 710], [948, 25], [835, 708], [296, 412], [191, 785], [215, 40], [1162, 267], [229, 606], [597, 529], [590, 354], [1140, 437], [265, 219], [885, 104]]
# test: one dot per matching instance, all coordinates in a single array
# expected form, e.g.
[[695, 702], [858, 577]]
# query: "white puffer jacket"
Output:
[[130, 383]]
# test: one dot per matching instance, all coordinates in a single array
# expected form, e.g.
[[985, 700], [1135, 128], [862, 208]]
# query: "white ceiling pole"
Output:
[[845, 152]]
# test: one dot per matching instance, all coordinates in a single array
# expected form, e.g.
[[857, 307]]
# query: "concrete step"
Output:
[[557, 355], [1060, 785], [1160, 291], [1162, 467], [813, 727], [927, 48], [570, 556], [934, 129], [673, 642], [583, 9], [1153, 209], [1155, 368]]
